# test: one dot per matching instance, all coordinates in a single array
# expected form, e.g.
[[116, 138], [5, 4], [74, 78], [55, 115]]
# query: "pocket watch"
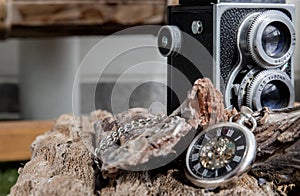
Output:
[[222, 152]]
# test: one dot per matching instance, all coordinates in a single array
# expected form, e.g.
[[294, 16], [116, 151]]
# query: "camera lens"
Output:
[[275, 39], [271, 39], [275, 95], [270, 88]]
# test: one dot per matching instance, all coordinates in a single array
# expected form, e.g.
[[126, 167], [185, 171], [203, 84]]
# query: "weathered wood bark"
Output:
[[62, 161], [31, 18], [278, 157]]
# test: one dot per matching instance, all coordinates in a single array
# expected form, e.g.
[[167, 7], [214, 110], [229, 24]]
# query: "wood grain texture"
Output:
[[16, 138], [61, 162], [278, 145], [62, 159], [28, 18]]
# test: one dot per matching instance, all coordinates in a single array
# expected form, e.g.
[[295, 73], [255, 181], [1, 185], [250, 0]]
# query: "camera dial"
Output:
[[169, 40], [270, 88], [271, 39]]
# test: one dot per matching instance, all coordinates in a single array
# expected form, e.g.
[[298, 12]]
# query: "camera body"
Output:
[[251, 46]]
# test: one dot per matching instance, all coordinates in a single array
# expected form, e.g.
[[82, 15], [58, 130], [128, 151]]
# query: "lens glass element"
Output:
[[276, 39], [275, 95]]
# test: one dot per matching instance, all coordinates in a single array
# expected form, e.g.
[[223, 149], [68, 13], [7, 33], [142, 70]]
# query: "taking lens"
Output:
[[275, 95], [270, 88], [275, 39]]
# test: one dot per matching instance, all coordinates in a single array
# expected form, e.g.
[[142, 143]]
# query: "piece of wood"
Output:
[[30, 18], [61, 162], [278, 145], [62, 159], [17, 136]]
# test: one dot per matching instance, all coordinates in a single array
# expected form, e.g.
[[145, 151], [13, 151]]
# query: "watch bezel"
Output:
[[243, 166]]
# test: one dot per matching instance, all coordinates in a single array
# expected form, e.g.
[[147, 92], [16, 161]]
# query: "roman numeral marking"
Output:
[[228, 168], [195, 157], [219, 132], [216, 173], [197, 166], [240, 147], [204, 173], [236, 139], [237, 158], [198, 147], [230, 132], [206, 137]]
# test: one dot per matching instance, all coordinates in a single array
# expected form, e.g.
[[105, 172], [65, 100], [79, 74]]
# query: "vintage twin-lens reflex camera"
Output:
[[251, 48]]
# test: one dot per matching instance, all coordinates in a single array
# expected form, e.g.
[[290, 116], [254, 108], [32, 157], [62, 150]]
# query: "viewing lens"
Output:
[[275, 95], [276, 39], [271, 38]]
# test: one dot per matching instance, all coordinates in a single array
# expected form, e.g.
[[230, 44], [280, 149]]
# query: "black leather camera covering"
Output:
[[197, 2], [182, 17]]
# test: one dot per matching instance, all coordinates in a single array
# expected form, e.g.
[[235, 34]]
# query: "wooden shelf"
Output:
[[17, 136], [39, 18]]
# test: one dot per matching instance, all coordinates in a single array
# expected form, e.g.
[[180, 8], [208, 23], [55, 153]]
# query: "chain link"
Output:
[[140, 123]]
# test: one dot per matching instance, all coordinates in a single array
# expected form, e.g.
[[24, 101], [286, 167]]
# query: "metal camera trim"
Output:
[[261, 80], [255, 42], [175, 41], [245, 164], [224, 73], [245, 83], [243, 52]]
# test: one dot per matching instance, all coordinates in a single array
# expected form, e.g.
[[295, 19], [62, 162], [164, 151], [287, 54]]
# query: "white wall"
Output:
[[118, 54], [47, 72], [9, 61], [9, 58], [32, 62]]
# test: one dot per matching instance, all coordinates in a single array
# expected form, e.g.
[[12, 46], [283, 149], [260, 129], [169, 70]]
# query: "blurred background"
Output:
[[56, 60], [41, 75]]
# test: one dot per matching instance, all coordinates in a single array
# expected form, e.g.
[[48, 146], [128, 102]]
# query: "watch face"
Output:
[[220, 153]]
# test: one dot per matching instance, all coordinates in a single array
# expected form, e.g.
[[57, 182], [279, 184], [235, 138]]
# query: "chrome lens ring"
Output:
[[244, 84], [273, 21], [271, 88]]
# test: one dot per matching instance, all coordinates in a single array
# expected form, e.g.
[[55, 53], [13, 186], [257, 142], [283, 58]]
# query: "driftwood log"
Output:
[[62, 160]]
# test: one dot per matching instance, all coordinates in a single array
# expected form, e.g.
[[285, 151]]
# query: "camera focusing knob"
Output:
[[169, 40]]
